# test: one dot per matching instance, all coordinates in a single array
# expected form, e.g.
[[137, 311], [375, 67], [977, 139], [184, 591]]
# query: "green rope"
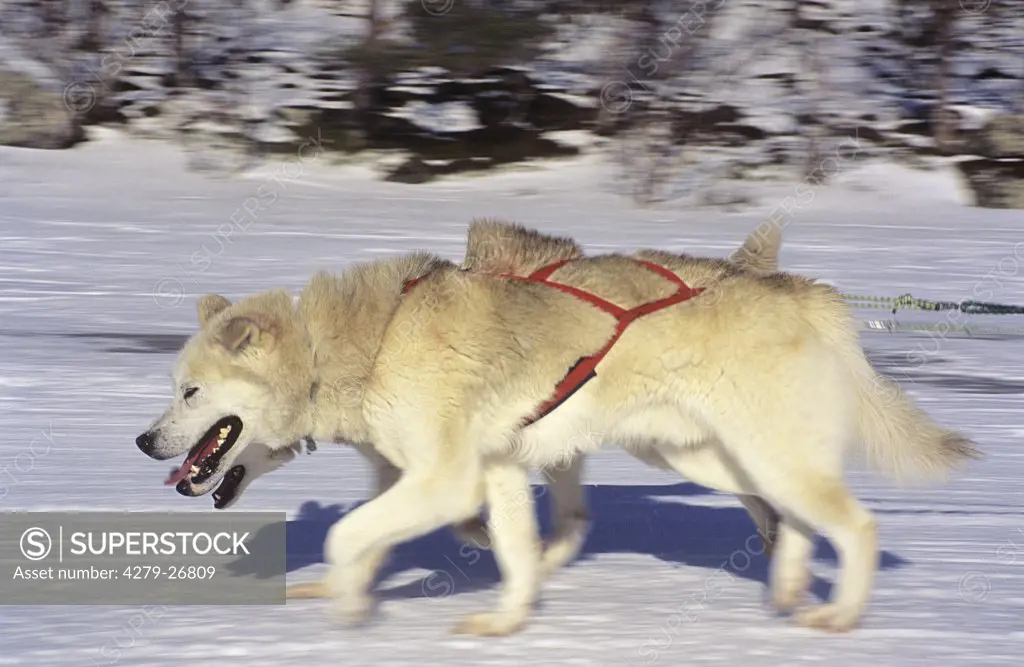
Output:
[[908, 302]]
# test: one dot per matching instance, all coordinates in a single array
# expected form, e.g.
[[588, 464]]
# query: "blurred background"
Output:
[[747, 90]]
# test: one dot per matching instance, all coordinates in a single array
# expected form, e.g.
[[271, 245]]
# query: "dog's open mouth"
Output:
[[204, 458]]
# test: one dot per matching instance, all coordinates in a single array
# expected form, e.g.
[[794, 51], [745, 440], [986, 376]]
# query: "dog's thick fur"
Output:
[[759, 384]]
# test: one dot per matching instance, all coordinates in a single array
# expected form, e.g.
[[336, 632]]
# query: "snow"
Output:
[[88, 235], [445, 117]]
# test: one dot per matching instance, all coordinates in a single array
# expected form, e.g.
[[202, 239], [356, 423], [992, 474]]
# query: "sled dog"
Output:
[[461, 380]]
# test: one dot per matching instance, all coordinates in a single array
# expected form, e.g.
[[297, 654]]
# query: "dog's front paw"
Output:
[[351, 604], [353, 610], [830, 617], [789, 591], [306, 590], [490, 624]]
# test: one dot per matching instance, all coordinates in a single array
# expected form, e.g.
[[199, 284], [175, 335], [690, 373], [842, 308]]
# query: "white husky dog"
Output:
[[751, 384]]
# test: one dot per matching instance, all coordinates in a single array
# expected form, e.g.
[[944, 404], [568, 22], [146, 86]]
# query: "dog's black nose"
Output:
[[145, 442]]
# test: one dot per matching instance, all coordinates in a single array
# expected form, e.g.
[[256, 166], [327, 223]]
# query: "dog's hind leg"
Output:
[[473, 532], [512, 526], [809, 490], [766, 520], [569, 515], [790, 575], [824, 503]]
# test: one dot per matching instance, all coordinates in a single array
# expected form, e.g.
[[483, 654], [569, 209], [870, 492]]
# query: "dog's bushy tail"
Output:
[[895, 435], [900, 439]]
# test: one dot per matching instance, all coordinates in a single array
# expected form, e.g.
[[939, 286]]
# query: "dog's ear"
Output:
[[760, 252], [210, 305], [244, 333]]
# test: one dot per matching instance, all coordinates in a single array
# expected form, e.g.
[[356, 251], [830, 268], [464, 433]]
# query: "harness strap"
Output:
[[603, 304], [584, 369], [409, 284], [544, 272]]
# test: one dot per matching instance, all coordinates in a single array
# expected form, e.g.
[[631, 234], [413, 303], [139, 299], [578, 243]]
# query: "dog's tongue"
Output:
[[191, 460], [180, 474]]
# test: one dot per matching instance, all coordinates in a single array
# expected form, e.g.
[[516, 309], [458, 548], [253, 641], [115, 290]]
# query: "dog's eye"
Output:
[[190, 392]]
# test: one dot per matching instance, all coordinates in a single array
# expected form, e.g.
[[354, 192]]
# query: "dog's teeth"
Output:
[[224, 431], [194, 470], [220, 441]]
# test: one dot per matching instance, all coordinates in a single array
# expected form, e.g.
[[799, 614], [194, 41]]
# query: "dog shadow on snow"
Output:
[[651, 520]]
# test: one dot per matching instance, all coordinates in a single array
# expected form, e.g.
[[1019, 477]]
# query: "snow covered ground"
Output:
[[104, 248]]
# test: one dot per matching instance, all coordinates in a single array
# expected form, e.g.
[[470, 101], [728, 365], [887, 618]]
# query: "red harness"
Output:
[[584, 369]]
